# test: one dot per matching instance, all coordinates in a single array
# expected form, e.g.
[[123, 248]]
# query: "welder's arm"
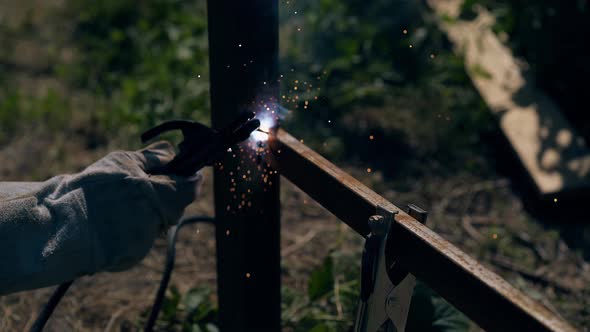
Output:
[[104, 218]]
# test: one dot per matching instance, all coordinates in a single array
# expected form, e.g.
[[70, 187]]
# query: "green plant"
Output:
[[331, 298], [193, 311], [431, 313], [148, 60], [19, 111], [383, 69]]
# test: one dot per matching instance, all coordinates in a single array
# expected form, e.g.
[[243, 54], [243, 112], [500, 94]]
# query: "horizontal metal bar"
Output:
[[482, 295]]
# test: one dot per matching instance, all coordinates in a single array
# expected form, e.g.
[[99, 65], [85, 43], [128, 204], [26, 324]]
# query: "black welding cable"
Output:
[[170, 257], [43, 317], [61, 290]]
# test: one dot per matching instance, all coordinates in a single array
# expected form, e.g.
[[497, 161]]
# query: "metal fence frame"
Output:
[[482, 295], [243, 53]]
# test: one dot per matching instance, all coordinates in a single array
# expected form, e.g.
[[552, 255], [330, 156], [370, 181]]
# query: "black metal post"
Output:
[[243, 51]]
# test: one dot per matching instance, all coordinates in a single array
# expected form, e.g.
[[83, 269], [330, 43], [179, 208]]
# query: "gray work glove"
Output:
[[104, 218]]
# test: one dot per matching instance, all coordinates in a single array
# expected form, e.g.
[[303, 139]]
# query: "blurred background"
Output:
[[375, 86]]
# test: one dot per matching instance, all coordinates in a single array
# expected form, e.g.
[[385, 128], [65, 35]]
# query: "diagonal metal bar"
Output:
[[482, 295]]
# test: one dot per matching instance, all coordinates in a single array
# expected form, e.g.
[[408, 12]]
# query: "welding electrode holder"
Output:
[[201, 145]]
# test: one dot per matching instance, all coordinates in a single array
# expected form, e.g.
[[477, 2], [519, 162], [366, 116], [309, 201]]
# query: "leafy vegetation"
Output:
[[17, 108], [194, 311], [331, 298], [148, 59], [381, 67]]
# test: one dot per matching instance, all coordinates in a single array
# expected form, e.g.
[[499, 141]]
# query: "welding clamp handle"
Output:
[[187, 128], [195, 150], [240, 129], [369, 266], [201, 145]]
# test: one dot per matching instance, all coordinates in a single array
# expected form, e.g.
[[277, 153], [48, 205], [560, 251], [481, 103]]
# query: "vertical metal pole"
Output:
[[243, 51]]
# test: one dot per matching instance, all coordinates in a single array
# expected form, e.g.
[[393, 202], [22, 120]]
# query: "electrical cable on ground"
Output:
[[170, 258], [45, 314], [61, 290]]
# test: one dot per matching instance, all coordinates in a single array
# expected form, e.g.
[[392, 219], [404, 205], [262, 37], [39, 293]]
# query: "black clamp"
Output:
[[395, 271], [378, 227], [201, 145], [386, 286]]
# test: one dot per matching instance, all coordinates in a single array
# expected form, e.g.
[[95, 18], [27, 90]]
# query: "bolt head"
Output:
[[377, 225]]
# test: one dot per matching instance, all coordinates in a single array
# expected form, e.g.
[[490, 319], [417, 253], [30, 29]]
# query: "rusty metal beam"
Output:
[[482, 295]]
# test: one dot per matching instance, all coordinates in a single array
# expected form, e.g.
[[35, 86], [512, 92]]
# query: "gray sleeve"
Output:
[[104, 218], [15, 189], [43, 239]]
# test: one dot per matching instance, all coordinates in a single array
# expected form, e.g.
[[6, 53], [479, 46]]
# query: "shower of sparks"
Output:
[[252, 174]]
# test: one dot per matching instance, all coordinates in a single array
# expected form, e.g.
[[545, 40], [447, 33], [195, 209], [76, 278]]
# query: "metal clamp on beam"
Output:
[[396, 272], [384, 303]]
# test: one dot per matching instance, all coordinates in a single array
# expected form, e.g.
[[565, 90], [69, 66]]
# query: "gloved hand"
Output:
[[103, 218]]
